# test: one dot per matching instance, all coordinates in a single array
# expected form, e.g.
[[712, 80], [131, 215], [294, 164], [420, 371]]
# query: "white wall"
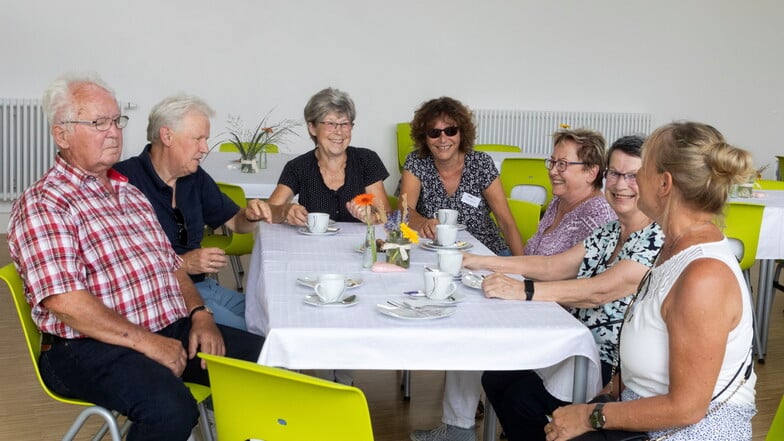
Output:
[[717, 61]]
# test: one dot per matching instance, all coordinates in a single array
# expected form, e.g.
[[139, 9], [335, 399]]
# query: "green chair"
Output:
[[526, 215], [32, 336], [529, 173], [767, 184], [742, 225], [392, 202], [233, 244], [405, 144], [776, 431], [260, 402], [230, 147], [780, 170], [497, 148]]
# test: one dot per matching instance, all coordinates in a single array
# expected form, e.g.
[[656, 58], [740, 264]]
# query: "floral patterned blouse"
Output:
[[642, 246], [575, 226], [473, 211]]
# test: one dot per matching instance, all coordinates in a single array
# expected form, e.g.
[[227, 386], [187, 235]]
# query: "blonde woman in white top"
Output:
[[686, 342]]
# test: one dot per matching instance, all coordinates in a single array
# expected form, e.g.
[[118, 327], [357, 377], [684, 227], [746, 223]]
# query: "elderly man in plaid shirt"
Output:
[[120, 317]]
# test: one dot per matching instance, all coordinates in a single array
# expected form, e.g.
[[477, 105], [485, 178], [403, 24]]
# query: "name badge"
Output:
[[470, 199]]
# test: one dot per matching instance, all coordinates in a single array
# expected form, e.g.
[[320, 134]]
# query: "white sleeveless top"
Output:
[[644, 338]]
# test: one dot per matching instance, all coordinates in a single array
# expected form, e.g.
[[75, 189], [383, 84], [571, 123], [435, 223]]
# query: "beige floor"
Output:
[[27, 414]]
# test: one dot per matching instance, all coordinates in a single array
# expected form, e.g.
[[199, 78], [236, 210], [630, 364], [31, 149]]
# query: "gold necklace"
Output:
[[669, 247]]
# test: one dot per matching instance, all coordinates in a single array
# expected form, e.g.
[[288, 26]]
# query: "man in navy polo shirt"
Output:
[[186, 198]]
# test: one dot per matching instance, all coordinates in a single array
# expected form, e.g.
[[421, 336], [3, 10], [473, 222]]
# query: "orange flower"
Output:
[[267, 130], [364, 199]]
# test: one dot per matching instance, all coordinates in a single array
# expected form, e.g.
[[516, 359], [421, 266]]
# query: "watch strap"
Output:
[[529, 289], [197, 309]]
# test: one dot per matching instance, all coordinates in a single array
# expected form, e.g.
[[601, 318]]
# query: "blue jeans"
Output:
[[122, 379], [227, 305]]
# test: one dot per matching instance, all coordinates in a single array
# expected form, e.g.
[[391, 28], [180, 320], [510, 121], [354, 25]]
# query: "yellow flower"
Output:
[[565, 126], [408, 233]]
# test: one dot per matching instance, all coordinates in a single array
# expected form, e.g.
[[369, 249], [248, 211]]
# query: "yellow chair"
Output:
[[230, 147], [767, 184], [405, 144], [776, 431], [527, 172], [497, 148], [742, 223], [392, 202], [33, 338], [780, 171], [262, 402], [233, 244], [526, 215]]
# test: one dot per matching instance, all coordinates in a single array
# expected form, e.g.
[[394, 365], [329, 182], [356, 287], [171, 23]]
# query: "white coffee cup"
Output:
[[446, 235], [438, 285], [450, 261], [330, 287], [318, 222], [447, 216]]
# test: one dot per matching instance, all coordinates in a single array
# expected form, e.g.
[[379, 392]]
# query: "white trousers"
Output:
[[462, 391]]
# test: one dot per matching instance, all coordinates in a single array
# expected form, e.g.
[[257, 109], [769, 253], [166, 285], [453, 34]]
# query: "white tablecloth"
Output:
[[223, 167], [483, 334]]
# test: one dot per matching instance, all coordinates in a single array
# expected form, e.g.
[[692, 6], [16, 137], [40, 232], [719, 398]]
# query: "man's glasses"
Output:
[[182, 230], [346, 126], [614, 176], [448, 131], [560, 164], [103, 124]]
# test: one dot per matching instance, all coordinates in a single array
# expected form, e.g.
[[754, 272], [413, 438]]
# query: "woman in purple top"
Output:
[[578, 207]]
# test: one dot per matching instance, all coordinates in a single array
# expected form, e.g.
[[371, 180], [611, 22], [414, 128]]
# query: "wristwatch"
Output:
[[529, 289], [597, 418], [200, 308]]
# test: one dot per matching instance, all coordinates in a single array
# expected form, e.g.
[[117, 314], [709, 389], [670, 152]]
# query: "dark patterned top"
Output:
[[575, 226], [642, 246], [302, 176], [478, 173]]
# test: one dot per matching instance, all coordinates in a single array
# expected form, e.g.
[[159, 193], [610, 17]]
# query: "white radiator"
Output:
[[27, 149], [532, 130]]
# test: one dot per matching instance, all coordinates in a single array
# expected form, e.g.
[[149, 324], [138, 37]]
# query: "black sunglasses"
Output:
[[182, 230], [448, 131]]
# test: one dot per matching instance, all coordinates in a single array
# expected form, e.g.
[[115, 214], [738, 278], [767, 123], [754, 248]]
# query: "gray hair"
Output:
[[58, 100], [171, 111], [326, 101]]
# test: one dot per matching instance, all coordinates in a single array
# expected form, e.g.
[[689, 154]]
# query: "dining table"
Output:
[[225, 167], [472, 333], [770, 247]]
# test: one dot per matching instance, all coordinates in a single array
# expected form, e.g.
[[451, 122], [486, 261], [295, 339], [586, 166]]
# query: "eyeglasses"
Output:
[[335, 125], [613, 176], [103, 124], [182, 230], [559, 165], [448, 131]]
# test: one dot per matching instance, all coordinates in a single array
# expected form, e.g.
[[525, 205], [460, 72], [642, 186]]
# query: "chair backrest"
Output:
[[31, 333], [240, 243], [780, 170], [262, 402], [404, 142], [497, 148], [776, 431], [767, 184], [230, 147], [742, 223], [526, 172], [392, 202], [526, 215]]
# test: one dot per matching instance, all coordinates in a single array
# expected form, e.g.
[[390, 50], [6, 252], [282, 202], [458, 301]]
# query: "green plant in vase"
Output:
[[252, 144]]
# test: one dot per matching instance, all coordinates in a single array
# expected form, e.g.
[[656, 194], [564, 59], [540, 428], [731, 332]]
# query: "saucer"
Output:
[[330, 231], [310, 280], [432, 246], [314, 300], [415, 314], [472, 280]]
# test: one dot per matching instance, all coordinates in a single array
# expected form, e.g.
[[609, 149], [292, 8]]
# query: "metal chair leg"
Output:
[[405, 384], [109, 418], [755, 326], [236, 267]]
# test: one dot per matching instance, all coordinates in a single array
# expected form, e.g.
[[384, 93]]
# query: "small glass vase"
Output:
[[398, 249], [369, 255], [249, 165], [262, 159]]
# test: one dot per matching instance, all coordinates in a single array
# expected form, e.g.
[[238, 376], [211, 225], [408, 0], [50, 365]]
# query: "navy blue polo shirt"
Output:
[[198, 198]]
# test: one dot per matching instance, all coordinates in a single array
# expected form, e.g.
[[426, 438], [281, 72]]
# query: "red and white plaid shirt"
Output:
[[68, 233]]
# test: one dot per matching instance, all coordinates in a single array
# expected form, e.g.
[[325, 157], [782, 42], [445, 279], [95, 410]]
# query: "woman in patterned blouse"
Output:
[[445, 172], [595, 279]]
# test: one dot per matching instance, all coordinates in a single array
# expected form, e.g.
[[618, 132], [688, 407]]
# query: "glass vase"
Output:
[[369, 254], [398, 249], [249, 165], [262, 158]]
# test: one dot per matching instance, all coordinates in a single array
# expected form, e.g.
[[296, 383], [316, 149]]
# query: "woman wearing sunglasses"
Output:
[[445, 172]]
